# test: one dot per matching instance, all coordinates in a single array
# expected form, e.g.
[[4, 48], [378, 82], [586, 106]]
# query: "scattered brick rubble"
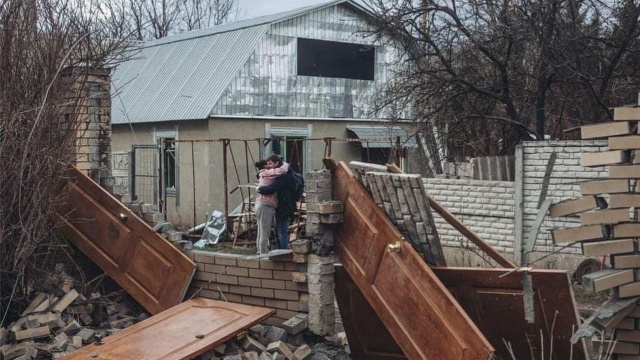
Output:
[[61, 320]]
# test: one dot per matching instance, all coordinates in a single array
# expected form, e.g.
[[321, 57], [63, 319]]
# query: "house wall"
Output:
[[268, 84], [208, 193]]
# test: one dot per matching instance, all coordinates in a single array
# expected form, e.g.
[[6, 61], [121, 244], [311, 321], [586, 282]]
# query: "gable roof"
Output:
[[181, 76]]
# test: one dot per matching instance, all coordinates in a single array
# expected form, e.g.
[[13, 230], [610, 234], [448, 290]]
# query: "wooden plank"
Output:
[[151, 269], [597, 187], [535, 229], [581, 233], [624, 171], [626, 113], [574, 206], [608, 247], [629, 290], [182, 332], [380, 272], [613, 216], [626, 261], [605, 158], [624, 142], [469, 234], [629, 230], [604, 130], [606, 279], [624, 201]]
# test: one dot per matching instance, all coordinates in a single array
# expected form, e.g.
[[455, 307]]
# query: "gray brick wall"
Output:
[[563, 184], [486, 207]]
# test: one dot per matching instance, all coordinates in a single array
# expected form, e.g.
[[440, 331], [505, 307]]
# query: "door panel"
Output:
[[493, 299], [368, 338], [490, 294], [148, 267], [399, 286], [182, 332]]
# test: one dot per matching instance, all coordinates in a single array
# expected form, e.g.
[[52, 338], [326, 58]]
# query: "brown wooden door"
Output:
[[182, 332], [148, 267], [493, 298], [368, 338], [416, 308]]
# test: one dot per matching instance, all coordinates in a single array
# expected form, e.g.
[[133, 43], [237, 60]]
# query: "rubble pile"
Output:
[[262, 342], [60, 320]]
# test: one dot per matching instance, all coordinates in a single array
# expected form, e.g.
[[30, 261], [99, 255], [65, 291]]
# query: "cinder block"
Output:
[[626, 113], [261, 292], [260, 273], [286, 295], [273, 284], [330, 207]]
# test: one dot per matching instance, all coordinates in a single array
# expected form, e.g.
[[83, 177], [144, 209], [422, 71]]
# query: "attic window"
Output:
[[335, 59]]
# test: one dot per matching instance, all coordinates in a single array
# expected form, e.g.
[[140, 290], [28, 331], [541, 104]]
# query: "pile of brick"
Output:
[[156, 220], [61, 320], [610, 224], [264, 342]]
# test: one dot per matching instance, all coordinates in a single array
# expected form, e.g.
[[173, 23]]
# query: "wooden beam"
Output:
[[469, 234]]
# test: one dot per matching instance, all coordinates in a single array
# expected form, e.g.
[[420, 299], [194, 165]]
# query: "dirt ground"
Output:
[[588, 303]]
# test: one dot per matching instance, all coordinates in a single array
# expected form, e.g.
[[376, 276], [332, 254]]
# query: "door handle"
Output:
[[394, 247]]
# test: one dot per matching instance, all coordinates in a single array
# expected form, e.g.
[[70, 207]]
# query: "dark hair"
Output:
[[261, 164], [275, 158]]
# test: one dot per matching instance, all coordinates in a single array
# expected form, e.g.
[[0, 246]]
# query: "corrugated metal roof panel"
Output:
[[180, 80], [378, 134]]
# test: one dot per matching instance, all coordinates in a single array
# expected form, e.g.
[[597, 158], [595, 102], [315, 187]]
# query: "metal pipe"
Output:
[[193, 180], [225, 144]]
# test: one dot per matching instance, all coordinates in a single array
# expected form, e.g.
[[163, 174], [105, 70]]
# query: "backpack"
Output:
[[298, 188]]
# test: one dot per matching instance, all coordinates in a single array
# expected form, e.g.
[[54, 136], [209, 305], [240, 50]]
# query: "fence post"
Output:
[[518, 246]]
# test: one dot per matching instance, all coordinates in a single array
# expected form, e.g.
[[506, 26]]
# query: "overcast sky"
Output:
[[254, 8]]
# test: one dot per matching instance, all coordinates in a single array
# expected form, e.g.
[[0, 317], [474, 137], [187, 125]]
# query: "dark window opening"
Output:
[[169, 163], [291, 149], [378, 156], [335, 59]]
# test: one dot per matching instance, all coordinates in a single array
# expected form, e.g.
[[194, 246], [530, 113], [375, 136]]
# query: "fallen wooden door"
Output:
[[493, 298], [148, 267], [368, 338], [182, 332], [416, 308]]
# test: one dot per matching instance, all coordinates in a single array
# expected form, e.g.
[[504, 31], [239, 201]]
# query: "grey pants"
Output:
[[264, 217]]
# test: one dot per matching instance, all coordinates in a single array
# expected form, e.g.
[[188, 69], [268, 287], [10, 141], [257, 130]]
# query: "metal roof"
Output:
[[382, 136], [181, 77]]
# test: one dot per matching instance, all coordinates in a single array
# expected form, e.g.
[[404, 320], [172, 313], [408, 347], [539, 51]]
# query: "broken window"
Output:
[[169, 164], [335, 59]]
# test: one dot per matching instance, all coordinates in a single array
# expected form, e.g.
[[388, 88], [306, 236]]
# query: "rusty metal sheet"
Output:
[[147, 266], [397, 283], [493, 298], [180, 333]]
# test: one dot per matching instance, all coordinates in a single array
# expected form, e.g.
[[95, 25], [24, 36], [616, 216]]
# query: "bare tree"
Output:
[[155, 19], [45, 47], [485, 75]]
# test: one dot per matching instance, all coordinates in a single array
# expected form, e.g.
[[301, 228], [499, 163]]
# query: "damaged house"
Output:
[[199, 104]]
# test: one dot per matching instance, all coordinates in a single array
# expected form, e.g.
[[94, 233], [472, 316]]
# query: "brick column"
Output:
[[320, 280]]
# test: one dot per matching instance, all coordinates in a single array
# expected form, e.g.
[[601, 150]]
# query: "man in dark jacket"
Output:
[[284, 187]]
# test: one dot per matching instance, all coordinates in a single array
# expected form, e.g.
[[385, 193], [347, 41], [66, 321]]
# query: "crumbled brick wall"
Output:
[[566, 175], [486, 207], [260, 282]]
